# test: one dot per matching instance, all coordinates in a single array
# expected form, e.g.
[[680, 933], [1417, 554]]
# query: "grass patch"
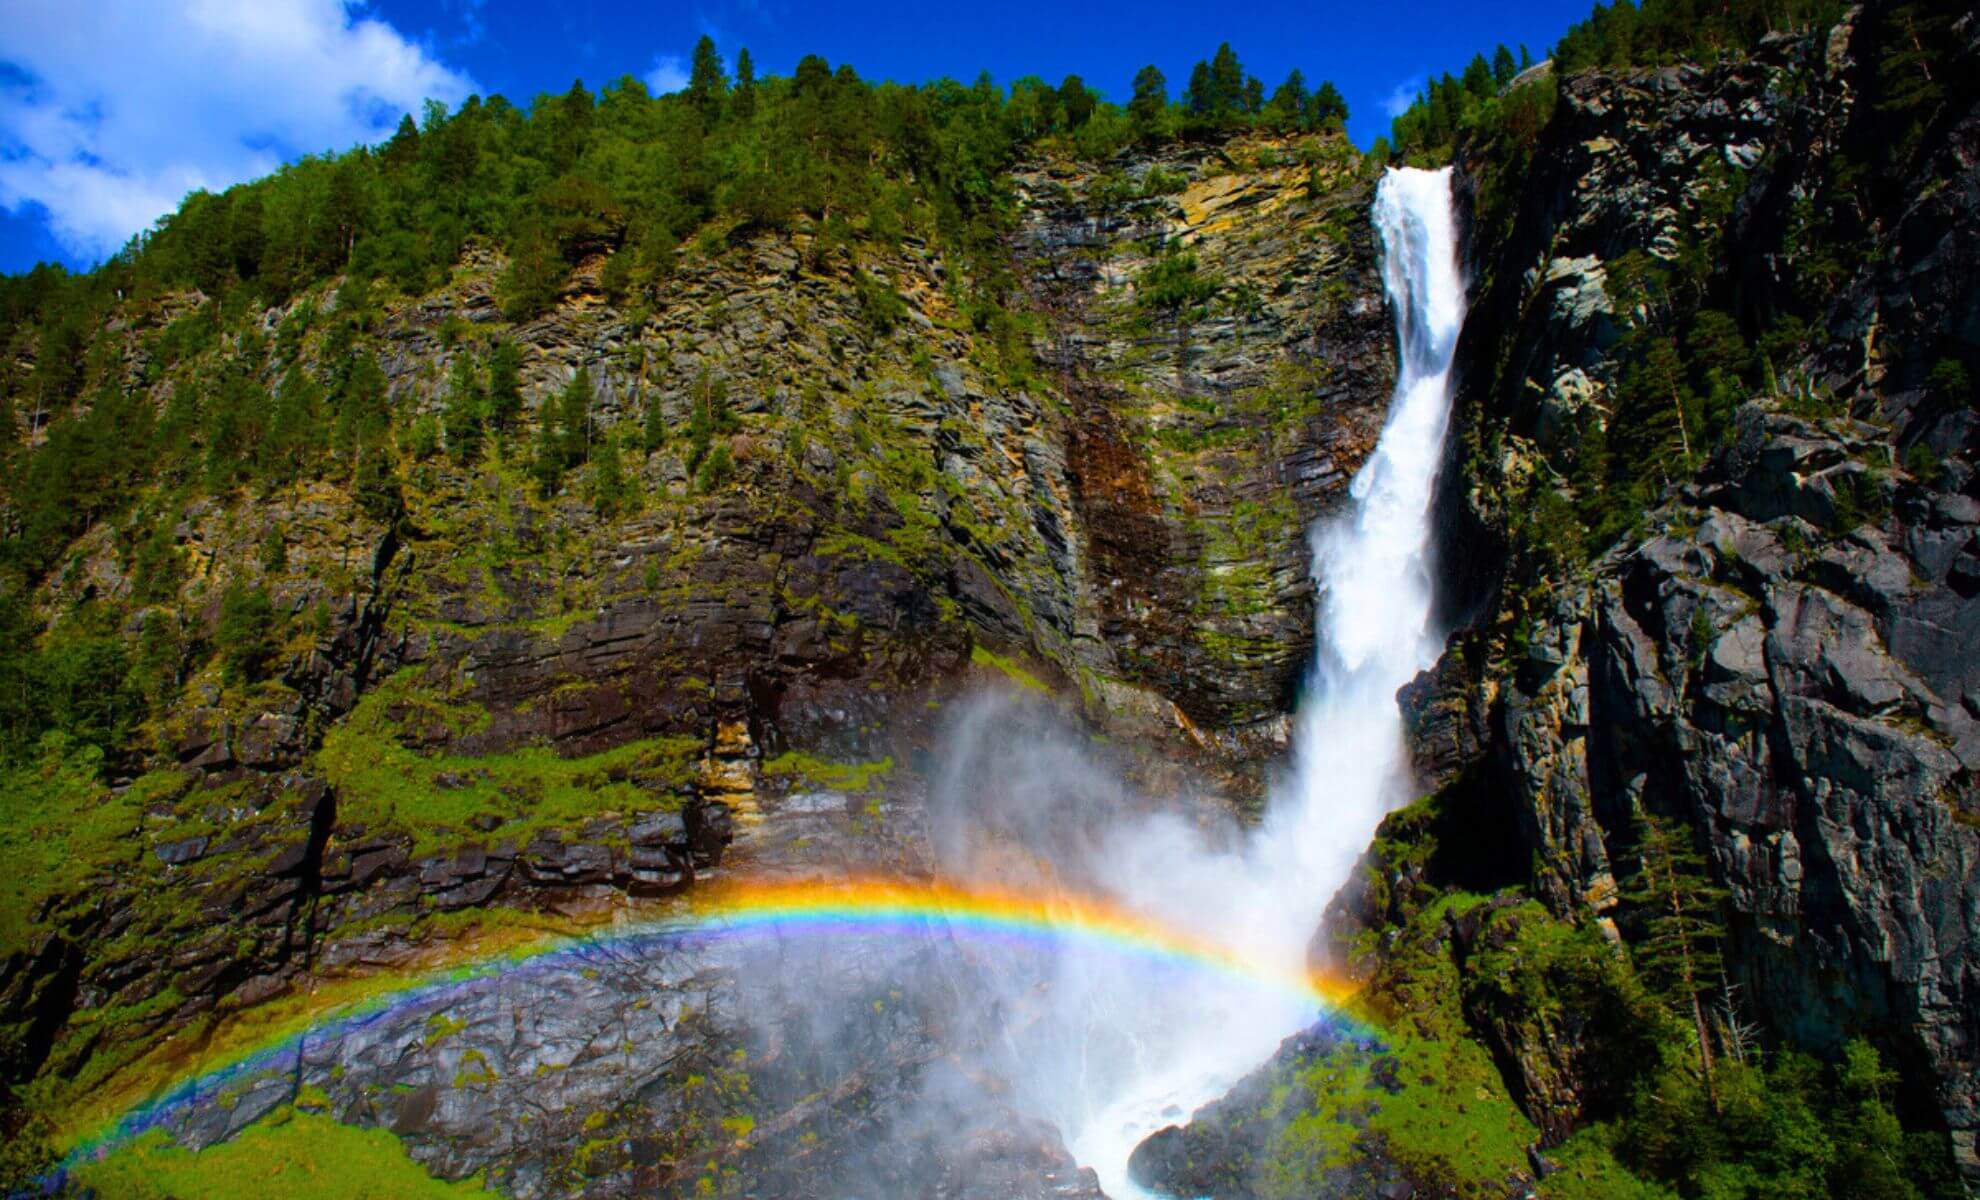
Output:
[[296, 1155], [59, 824], [1009, 669], [822, 773], [383, 785]]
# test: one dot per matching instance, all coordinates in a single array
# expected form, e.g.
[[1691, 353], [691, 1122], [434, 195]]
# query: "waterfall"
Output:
[[1373, 628], [1372, 635]]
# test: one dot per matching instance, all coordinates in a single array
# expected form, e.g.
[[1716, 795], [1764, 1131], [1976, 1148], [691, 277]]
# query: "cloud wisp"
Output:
[[668, 74], [1404, 94], [111, 112]]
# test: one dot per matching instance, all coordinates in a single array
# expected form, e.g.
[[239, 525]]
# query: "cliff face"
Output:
[[1780, 660]]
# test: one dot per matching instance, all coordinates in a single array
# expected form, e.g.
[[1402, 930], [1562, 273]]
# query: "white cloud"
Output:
[[1397, 102], [114, 109], [669, 74]]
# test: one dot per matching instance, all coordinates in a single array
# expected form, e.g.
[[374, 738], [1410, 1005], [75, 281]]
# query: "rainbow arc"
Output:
[[812, 908]]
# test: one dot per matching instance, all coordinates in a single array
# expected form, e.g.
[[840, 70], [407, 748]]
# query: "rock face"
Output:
[[1758, 680], [662, 1064], [1230, 1147], [1781, 661]]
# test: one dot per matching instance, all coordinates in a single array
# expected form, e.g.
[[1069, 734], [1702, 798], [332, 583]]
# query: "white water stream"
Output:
[[1189, 1044]]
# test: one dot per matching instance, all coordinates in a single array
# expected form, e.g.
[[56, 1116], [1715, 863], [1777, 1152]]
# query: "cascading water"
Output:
[[1373, 634]]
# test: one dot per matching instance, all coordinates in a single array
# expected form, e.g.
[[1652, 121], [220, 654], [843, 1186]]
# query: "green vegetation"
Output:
[[1666, 1093], [1009, 668], [58, 825], [245, 636], [1480, 103], [1175, 285], [822, 773], [297, 1155], [1660, 32], [441, 799]]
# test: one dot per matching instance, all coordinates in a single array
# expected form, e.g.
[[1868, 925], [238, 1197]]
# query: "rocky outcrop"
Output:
[[1798, 698], [1206, 435], [1234, 1145], [1778, 662]]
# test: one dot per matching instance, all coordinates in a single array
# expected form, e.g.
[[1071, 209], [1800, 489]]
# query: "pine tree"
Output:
[[546, 462], [707, 85], [466, 404], [745, 94], [1677, 951], [380, 494], [575, 418], [1200, 97], [708, 415], [653, 428], [1226, 82], [403, 149], [1075, 101], [245, 634], [505, 402], [611, 489], [1151, 97], [1287, 108], [1503, 66], [1326, 109], [295, 428]]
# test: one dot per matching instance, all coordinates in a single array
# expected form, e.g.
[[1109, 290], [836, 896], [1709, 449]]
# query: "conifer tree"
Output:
[[1286, 110], [295, 428], [505, 401], [653, 429], [707, 86], [546, 462], [403, 149], [611, 489], [744, 103], [1226, 82], [246, 633], [575, 417], [1681, 931], [1151, 97], [1503, 66], [466, 404], [1325, 108], [1075, 101]]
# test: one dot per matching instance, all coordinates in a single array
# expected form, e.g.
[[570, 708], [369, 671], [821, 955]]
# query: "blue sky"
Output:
[[111, 110]]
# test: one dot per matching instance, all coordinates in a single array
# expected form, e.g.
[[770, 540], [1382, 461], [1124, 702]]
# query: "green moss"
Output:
[[311, 1098], [58, 825], [297, 1156], [844, 777], [1587, 1170], [474, 1069], [383, 785], [1009, 668], [440, 1027]]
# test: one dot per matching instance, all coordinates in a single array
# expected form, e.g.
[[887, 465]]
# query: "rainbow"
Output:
[[850, 907]]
